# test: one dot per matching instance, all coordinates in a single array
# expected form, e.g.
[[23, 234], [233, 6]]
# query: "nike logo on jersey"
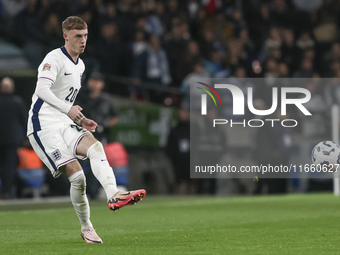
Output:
[[67, 73], [103, 160]]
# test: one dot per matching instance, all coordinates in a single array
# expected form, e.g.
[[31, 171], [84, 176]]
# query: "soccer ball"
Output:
[[326, 153]]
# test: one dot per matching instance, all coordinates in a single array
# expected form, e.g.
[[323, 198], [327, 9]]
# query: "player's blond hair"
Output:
[[73, 22]]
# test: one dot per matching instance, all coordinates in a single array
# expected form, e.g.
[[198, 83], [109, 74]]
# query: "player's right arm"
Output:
[[48, 72], [75, 113], [89, 124]]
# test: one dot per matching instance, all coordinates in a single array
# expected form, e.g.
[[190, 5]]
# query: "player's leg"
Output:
[[93, 149], [85, 145], [56, 155], [79, 200], [77, 179]]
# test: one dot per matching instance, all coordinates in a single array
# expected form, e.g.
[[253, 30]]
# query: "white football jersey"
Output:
[[65, 75]]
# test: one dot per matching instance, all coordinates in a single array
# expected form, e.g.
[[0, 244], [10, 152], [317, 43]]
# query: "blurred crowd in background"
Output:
[[155, 47]]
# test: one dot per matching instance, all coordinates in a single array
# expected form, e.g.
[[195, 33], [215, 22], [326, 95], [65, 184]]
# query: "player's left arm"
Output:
[[88, 124]]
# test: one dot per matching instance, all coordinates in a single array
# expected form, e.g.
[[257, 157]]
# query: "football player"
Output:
[[60, 134]]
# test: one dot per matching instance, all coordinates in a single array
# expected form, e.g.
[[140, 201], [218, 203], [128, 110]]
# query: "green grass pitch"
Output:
[[289, 224]]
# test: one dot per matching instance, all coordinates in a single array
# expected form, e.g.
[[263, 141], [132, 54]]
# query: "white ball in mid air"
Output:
[[326, 153]]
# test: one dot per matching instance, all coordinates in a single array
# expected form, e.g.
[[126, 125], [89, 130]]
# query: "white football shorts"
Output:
[[57, 147]]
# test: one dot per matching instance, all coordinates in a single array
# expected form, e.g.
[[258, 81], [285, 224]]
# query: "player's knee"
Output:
[[95, 149], [78, 180]]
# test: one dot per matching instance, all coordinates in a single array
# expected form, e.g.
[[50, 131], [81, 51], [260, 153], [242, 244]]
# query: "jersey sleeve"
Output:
[[44, 92]]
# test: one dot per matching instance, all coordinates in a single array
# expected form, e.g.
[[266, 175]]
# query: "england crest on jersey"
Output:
[[56, 155]]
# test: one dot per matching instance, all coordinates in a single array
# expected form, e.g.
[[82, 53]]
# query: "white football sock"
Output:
[[101, 169], [79, 198]]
